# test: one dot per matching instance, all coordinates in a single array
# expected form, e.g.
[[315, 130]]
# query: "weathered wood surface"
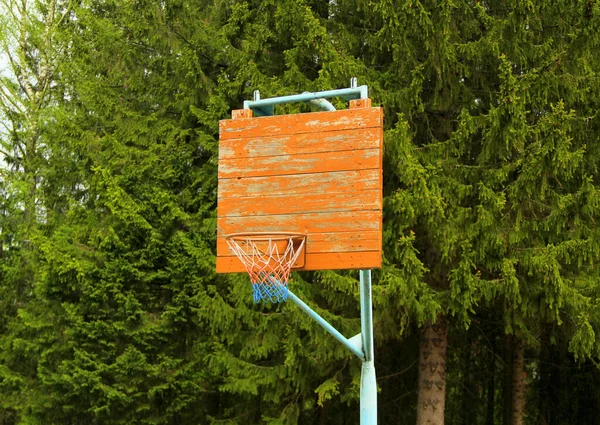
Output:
[[300, 184], [314, 122], [324, 222], [360, 103], [330, 242], [300, 164], [292, 204], [321, 261], [319, 174], [295, 144]]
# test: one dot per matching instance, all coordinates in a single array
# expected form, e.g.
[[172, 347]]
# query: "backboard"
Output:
[[318, 174]]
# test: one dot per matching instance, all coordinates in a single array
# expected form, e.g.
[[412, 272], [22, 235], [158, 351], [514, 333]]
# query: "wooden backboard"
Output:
[[319, 174]]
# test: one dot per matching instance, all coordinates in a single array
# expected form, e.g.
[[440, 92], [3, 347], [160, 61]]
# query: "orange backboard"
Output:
[[319, 174]]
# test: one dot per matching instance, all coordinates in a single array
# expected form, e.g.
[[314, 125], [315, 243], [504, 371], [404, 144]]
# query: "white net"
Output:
[[268, 259]]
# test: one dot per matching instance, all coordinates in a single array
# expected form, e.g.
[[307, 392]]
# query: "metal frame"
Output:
[[265, 107], [360, 345]]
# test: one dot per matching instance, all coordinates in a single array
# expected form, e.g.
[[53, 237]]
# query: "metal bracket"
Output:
[[265, 107], [357, 342]]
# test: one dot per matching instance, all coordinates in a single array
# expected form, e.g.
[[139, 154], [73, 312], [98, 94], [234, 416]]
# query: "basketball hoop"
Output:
[[268, 258]]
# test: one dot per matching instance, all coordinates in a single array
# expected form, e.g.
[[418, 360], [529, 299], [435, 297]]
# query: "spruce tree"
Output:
[[111, 312], [484, 140], [30, 50], [123, 252]]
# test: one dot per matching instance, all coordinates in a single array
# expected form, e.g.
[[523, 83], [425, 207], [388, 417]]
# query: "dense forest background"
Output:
[[488, 304]]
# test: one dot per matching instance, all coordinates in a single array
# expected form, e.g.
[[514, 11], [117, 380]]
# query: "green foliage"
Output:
[[110, 309]]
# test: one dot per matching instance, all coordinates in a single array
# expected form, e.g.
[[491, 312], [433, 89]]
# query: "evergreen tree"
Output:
[[123, 252], [30, 52], [483, 144], [111, 312]]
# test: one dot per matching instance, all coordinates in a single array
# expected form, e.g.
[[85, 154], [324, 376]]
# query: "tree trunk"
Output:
[[323, 413], [544, 390], [467, 387], [507, 387], [491, 388], [596, 396], [432, 374], [518, 382], [514, 380]]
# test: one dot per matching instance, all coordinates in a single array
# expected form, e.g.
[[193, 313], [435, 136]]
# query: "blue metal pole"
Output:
[[368, 394], [366, 313], [332, 331], [263, 107], [323, 104], [368, 381]]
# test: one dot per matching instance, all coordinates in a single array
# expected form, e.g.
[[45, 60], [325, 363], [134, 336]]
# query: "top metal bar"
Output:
[[265, 106]]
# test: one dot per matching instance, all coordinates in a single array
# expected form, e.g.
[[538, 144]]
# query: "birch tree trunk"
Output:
[[432, 374], [28, 48]]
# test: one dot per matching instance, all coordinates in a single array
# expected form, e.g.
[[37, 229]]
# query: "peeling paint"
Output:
[[319, 174]]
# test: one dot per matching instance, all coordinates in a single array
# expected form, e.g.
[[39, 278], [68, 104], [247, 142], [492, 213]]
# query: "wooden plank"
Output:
[[241, 113], [319, 261], [328, 242], [301, 184], [293, 144], [344, 242], [300, 164], [343, 260], [352, 221], [320, 201], [314, 122], [274, 170], [360, 103], [381, 156]]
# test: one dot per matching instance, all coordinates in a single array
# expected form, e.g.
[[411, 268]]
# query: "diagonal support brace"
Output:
[[351, 343]]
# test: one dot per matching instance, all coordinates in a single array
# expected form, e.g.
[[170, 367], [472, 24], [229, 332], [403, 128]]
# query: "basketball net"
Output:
[[268, 259]]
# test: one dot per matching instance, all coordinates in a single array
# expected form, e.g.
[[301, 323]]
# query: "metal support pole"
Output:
[[368, 381], [349, 343], [366, 313], [363, 349]]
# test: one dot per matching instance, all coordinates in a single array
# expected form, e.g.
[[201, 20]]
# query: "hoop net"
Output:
[[268, 259]]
